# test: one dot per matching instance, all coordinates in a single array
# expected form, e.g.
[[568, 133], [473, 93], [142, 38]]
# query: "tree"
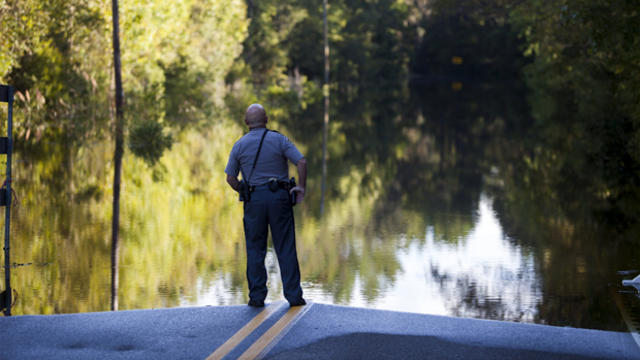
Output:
[[119, 151]]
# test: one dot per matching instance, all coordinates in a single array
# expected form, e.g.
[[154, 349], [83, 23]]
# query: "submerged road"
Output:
[[315, 331]]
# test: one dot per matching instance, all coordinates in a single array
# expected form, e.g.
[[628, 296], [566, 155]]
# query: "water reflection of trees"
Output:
[[182, 228], [462, 135], [473, 301], [61, 227], [576, 254]]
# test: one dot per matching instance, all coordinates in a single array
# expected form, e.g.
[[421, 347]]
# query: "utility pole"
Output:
[[117, 157], [325, 92]]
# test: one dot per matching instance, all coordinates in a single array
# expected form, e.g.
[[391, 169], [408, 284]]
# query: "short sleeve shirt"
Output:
[[272, 162]]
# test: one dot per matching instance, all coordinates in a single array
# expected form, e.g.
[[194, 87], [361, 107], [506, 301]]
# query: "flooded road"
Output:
[[424, 222]]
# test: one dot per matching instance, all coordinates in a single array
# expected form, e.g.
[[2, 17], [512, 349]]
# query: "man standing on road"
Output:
[[261, 155]]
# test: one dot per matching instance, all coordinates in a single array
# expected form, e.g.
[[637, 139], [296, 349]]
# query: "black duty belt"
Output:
[[274, 185]]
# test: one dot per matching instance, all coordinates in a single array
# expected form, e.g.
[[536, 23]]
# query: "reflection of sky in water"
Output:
[[480, 275]]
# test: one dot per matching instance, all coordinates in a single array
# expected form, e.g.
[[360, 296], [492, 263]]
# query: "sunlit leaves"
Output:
[[175, 58]]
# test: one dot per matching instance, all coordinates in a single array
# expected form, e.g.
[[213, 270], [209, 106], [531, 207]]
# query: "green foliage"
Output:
[[370, 43], [148, 141], [271, 22], [186, 102], [174, 59], [58, 62], [176, 76], [585, 82]]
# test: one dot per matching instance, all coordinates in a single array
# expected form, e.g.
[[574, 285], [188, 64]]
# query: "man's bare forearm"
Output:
[[302, 173], [233, 182]]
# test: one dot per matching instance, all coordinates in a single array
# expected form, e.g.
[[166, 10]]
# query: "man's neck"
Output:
[[257, 127]]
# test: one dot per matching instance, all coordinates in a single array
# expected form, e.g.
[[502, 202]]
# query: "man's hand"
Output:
[[300, 193], [233, 182], [302, 176]]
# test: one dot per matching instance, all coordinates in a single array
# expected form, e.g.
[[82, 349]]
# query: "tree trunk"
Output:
[[325, 91], [117, 157]]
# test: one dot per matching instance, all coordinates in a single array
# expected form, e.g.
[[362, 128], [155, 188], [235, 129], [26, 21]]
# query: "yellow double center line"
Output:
[[268, 339]]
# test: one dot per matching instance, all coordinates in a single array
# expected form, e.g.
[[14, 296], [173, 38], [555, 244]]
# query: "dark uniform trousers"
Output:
[[273, 209]]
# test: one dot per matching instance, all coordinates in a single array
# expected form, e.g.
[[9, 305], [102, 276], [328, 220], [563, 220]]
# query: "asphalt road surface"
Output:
[[314, 331]]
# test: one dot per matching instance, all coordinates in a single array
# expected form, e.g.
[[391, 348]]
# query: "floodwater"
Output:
[[430, 209]]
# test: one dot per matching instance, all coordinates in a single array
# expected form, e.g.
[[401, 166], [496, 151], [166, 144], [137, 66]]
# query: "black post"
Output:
[[119, 150], [6, 94]]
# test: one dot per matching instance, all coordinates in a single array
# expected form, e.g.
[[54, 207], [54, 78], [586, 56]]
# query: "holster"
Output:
[[244, 191]]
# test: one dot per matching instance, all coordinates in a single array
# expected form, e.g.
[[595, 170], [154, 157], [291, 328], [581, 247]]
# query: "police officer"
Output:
[[268, 204]]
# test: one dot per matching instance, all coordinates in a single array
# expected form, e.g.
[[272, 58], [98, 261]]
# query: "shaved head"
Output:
[[255, 116]]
